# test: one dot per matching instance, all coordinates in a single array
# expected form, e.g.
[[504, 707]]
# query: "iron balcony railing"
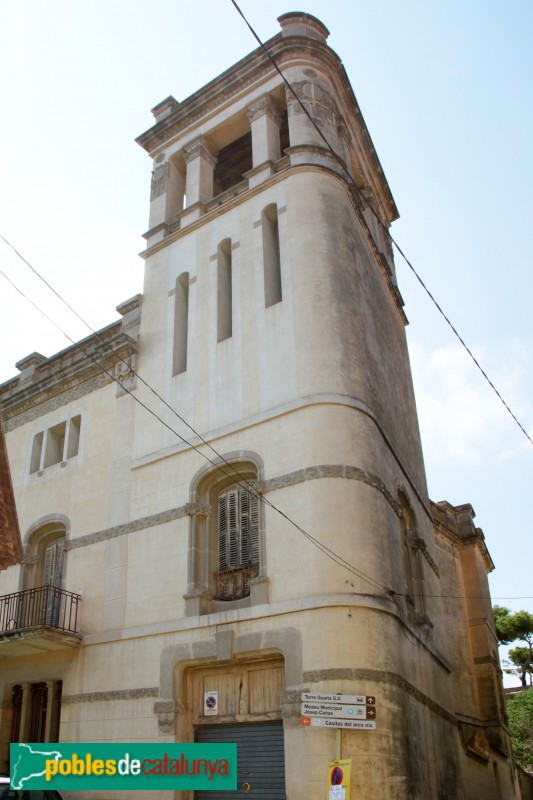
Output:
[[45, 606], [233, 584]]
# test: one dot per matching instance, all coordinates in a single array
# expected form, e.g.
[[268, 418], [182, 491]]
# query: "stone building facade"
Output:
[[224, 492]]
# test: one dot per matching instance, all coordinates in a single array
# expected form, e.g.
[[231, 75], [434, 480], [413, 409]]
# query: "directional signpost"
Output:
[[338, 711]]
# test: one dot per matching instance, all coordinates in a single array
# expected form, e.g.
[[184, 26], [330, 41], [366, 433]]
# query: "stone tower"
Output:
[[272, 319]]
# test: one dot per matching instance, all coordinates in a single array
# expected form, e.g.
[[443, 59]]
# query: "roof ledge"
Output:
[[298, 23], [164, 108]]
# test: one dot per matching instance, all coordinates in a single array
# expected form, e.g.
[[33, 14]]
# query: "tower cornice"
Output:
[[181, 118]]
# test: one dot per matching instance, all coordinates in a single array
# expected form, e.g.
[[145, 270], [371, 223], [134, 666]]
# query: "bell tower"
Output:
[[273, 323]]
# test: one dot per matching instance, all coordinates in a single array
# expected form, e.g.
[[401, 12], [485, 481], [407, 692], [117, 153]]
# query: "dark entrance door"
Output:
[[260, 760]]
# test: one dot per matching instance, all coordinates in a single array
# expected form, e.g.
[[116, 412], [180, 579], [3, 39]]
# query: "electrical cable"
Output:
[[233, 474], [468, 350], [335, 557], [355, 188]]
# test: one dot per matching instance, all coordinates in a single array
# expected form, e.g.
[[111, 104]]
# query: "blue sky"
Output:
[[445, 90]]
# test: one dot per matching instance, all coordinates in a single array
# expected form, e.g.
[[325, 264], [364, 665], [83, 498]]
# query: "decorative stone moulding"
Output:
[[296, 23], [199, 148], [159, 180], [165, 711], [165, 108], [265, 105]]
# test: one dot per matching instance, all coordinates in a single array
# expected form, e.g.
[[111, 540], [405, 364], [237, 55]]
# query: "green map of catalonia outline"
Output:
[[16, 781]]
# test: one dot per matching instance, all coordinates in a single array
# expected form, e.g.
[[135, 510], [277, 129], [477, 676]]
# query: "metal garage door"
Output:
[[260, 760]]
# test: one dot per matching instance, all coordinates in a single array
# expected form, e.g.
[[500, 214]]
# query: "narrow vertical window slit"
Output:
[[181, 324], [224, 291], [271, 255]]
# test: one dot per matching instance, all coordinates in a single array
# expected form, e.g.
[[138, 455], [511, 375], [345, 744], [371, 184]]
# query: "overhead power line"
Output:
[[234, 474], [356, 190], [239, 479]]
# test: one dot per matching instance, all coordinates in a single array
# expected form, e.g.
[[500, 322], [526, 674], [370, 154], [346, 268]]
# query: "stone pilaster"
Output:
[[265, 123], [200, 162], [166, 197]]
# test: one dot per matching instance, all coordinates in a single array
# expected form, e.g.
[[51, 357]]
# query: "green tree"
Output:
[[511, 627], [514, 664], [520, 713]]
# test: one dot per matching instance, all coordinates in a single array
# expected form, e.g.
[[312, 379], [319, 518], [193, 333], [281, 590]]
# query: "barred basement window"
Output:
[[55, 445], [238, 543]]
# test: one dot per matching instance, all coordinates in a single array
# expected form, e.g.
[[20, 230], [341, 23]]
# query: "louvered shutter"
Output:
[[222, 532], [254, 530], [232, 540], [245, 528], [53, 564], [49, 564], [228, 530], [249, 528], [238, 529]]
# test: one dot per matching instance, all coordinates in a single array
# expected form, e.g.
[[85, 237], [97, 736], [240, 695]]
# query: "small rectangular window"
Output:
[[55, 445]]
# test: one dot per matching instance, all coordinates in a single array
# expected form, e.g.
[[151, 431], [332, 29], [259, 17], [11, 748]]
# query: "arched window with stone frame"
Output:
[[44, 562], [43, 572], [227, 566]]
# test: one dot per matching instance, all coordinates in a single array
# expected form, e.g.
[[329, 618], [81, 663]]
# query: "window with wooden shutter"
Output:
[[227, 547], [238, 543], [53, 578]]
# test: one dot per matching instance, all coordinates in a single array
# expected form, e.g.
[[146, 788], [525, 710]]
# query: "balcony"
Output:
[[38, 620], [234, 584]]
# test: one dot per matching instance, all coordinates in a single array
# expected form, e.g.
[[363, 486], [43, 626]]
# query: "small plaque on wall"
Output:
[[210, 704]]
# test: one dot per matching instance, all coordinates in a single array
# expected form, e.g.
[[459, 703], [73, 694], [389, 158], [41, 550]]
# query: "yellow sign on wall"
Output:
[[339, 779]]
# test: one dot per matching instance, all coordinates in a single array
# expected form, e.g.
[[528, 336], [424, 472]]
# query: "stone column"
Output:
[[166, 198], [25, 713], [198, 598], [316, 96], [265, 122], [52, 711], [200, 161]]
